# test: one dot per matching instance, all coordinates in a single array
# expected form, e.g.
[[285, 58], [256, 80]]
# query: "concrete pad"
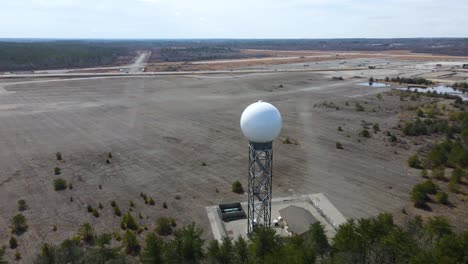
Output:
[[317, 204]]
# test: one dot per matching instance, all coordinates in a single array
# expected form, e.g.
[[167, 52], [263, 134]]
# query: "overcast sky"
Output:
[[233, 18]]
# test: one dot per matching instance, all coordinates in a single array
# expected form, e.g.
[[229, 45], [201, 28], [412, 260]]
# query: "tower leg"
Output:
[[259, 187]]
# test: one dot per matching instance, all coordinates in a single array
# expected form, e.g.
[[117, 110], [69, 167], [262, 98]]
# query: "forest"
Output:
[[16, 56], [373, 240], [30, 54]]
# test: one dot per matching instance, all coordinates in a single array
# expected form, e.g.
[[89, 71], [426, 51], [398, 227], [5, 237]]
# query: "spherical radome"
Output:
[[261, 122]]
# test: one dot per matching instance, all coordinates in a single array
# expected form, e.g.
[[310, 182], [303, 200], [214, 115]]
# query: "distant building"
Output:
[[297, 219], [465, 66]]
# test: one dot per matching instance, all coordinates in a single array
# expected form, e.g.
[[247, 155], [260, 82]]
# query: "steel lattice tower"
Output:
[[259, 186]]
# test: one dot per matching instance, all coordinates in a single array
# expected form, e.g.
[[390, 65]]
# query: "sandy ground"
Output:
[[161, 130]]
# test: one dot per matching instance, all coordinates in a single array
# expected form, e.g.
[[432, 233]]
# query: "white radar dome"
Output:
[[261, 122]]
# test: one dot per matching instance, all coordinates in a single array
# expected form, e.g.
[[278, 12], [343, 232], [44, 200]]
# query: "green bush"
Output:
[[130, 243], [237, 187], [376, 127], [113, 204], [420, 192], [117, 211], [428, 187], [13, 242], [163, 226], [22, 206], [95, 213], [457, 175], [420, 113], [365, 133], [424, 173], [438, 173], [128, 222], [418, 198], [414, 162], [441, 197], [57, 171], [18, 224], [60, 184], [339, 145], [359, 107], [58, 155]]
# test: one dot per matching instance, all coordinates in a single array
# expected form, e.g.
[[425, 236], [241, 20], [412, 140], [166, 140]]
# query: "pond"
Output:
[[376, 84], [441, 89]]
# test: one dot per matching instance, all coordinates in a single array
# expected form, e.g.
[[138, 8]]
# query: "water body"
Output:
[[376, 84], [441, 89]]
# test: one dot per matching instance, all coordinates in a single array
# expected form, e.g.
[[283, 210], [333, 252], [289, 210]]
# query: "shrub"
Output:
[[100, 205], [438, 173], [393, 138], [365, 133], [17, 255], [151, 201], [22, 206], [441, 197], [113, 204], [420, 113], [376, 127], [130, 243], [117, 211], [163, 226], [60, 184], [58, 155], [128, 222], [340, 129], [424, 173], [203, 163], [18, 224], [107, 161], [338, 145], [95, 213], [428, 187], [165, 205], [70, 186], [86, 233], [109, 155], [237, 187], [173, 222], [177, 197], [131, 203], [13, 242], [359, 107], [89, 208], [414, 162], [420, 192], [452, 187], [418, 198], [57, 171], [457, 174], [288, 140], [117, 236]]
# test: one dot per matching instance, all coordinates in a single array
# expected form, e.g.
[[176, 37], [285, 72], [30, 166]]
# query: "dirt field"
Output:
[[161, 132]]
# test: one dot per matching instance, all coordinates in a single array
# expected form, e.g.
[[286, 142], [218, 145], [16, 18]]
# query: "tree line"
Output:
[[53, 55], [373, 240]]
